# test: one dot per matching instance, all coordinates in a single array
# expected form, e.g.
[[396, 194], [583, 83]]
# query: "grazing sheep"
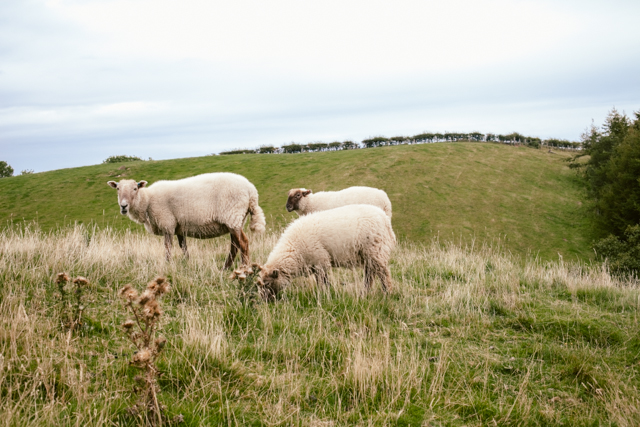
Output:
[[203, 206], [305, 202], [349, 236]]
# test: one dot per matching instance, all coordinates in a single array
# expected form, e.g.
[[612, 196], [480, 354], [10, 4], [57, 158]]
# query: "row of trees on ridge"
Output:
[[423, 138]]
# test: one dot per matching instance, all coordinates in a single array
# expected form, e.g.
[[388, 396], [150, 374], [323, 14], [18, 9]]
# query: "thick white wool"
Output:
[[203, 206], [324, 200], [348, 236]]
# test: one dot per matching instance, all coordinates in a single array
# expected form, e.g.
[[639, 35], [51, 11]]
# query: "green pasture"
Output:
[[524, 200]]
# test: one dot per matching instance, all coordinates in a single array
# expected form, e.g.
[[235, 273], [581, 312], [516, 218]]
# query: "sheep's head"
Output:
[[295, 195], [127, 193], [270, 282]]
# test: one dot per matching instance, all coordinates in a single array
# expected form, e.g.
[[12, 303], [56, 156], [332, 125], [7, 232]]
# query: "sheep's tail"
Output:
[[392, 235], [258, 222]]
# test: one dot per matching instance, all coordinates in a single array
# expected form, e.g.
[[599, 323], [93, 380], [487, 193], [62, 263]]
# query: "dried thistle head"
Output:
[[163, 288], [152, 286], [158, 286], [146, 296], [81, 281], [128, 324], [160, 343], [142, 357], [128, 293], [151, 309], [62, 278]]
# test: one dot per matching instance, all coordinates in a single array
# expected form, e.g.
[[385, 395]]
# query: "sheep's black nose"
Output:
[[289, 208]]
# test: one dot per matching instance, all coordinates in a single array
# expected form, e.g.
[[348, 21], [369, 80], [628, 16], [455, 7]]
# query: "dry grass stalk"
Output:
[[71, 310], [141, 331]]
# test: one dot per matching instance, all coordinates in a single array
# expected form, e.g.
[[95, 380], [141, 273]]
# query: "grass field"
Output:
[[469, 336], [526, 200]]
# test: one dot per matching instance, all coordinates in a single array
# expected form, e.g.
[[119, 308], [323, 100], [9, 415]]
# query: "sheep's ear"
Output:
[[306, 193], [113, 184], [142, 184], [274, 274]]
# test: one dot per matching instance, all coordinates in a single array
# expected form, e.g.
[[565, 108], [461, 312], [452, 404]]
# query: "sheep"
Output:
[[348, 236], [202, 206], [304, 202]]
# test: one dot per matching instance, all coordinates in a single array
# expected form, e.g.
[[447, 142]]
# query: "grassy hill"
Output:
[[526, 199]]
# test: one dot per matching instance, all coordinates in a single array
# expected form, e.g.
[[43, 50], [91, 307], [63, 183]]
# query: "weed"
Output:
[[71, 307], [141, 331]]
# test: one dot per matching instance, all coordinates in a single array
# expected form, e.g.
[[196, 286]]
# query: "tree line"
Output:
[[513, 138], [612, 175]]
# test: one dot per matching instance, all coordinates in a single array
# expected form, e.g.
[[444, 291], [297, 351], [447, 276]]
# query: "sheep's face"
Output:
[[270, 282], [127, 193], [295, 195]]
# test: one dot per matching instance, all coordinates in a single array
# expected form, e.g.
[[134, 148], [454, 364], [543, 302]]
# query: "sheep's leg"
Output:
[[385, 278], [321, 276], [369, 275], [243, 240], [182, 241], [168, 243], [235, 245]]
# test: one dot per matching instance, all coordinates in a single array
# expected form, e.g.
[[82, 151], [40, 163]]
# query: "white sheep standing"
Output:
[[304, 201], [348, 236], [202, 206]]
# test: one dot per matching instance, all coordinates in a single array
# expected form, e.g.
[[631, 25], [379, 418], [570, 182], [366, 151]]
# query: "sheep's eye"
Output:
[[135, 189]]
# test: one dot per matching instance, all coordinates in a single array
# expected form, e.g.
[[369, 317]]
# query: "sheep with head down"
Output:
[[304, 201], [348, 236], [202, 206]]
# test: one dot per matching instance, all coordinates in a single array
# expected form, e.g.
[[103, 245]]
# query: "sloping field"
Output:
[[527, 201]]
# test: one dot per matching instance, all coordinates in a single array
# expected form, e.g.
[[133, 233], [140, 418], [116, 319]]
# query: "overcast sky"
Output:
[[81, 80]]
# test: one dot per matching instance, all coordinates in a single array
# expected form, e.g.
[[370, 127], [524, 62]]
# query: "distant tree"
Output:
[[317, 146], [490, 137], [350, 145], [293, 148], [475, 136], [5, 169], [26, 172], [375, 141], [226, 153], [122, 158], [423, 137], [267, 149], [397, 140], [533, 142], [335, 145]]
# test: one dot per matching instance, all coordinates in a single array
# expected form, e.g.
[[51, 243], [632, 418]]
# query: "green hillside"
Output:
[[528, 199]]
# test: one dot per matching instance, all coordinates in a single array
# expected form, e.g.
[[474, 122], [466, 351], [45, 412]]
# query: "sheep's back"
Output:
[[203, 199], [353, 196], [342, 232]]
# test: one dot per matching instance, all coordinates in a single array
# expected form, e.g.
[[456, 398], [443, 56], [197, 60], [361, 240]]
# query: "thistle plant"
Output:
[[71, 306], [247, 278], [141, 331]]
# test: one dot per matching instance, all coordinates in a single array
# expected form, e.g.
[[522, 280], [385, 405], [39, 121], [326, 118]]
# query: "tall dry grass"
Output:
[[470, 336]]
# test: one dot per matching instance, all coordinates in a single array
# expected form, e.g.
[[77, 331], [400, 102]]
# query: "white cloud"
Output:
[[166, 78], [332, 37]]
